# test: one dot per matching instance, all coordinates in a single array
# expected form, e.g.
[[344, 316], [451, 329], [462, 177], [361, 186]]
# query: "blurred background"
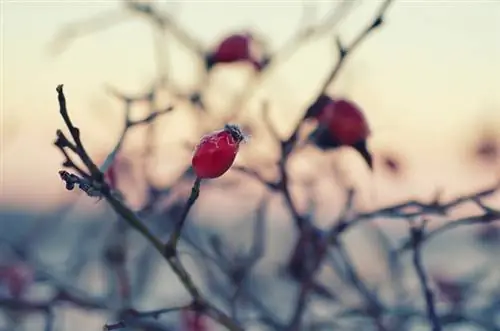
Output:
[[427, 81]]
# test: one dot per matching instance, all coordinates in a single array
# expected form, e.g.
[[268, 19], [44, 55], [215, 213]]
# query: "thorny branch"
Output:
[[90, 178], [139, 225]]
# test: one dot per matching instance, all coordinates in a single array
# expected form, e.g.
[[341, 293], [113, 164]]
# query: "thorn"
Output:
[[378, 22], [342, 50]]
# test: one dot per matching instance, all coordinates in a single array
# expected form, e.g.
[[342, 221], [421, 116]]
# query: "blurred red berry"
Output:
[[237, 48], [345, 121], [16, 278], [216, 152], [193, 321], [340, 123]]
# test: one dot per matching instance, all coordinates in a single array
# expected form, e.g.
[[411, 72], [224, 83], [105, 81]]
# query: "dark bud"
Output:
[[197, 100], [266, 60], [61, 140], [342, 50], [363, 150], [209, 61], [67, 164], [378, 22]]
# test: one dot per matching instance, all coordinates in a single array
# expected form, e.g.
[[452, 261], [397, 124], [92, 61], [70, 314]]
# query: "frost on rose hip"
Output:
[[216, 152]]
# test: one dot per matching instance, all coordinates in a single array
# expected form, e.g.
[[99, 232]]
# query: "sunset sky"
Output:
[[428, 80]]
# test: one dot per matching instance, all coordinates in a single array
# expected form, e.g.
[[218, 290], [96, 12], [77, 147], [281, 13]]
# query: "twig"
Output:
[[171, 245], [416, 236], [452, 224], [133, 220], [398, 211], [321, 253], [129, 316], [490, 216], [257, 176], [344, 52], [291, 46]]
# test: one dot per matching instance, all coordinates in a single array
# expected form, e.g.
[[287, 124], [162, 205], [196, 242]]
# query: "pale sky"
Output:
[[427, 78]]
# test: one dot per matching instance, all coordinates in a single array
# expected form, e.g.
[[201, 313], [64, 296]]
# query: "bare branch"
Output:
[[168, 251], [416, 236]]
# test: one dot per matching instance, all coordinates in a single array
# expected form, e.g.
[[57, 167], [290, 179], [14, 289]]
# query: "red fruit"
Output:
[[234, 48], [237, 48], [193, 321], [216, 152], [341, 123], [16, 278], [345, 121]]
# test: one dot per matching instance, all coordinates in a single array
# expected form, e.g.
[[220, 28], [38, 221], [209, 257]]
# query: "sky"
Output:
[[428, 81]]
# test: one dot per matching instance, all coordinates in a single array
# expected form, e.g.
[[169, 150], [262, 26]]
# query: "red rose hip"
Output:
[[216, 152], [341, 123], [345, 121], [242, 47], [234, 48]]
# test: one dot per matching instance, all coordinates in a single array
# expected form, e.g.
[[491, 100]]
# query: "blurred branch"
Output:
[[489, 215], [72, 31], [306, 32], [320, 254], [416, 237], [130, 123], [344, 52], [129, 317], [109, 19], [164, 21], [236, 264], [399, 211], [286, 146]]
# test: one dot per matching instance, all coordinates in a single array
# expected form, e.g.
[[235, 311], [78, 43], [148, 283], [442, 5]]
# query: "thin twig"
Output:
[[128, 215], [171, 245], [416, 235]]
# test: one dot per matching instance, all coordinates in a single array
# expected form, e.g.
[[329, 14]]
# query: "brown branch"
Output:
[[300, 37], [398, 211], [75, 134], [171, 246], [486, 218], [344, 52], [416, 237], [133, 220], [321, 253], [130, 316]]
